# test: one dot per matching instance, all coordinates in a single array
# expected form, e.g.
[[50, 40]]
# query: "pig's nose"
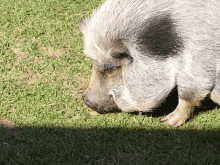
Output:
[[87, 101]]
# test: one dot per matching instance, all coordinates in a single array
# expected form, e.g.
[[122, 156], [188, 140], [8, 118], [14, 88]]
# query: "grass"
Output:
[[43, 119]]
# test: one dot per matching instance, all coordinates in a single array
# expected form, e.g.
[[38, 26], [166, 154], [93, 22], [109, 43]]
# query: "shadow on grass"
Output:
[[113, 145], [108, 146]]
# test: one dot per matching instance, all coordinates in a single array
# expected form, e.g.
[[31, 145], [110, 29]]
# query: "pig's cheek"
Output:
[[124, 101]]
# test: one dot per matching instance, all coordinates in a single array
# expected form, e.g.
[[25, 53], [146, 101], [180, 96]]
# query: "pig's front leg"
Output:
[[180, 114]]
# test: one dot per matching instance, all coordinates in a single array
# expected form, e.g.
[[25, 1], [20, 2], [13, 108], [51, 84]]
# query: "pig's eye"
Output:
[[123, 57], [120, 55]]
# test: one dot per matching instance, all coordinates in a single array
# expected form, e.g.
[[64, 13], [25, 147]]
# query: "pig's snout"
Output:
[[89, 103], [99, 103]]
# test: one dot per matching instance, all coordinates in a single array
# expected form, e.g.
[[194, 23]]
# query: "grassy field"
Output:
[[43, 119]]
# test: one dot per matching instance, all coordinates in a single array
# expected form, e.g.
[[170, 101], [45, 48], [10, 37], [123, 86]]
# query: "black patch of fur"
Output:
[[160, 39]]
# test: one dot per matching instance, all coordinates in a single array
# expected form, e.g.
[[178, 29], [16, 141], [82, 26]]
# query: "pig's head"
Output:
[[107, 82], [133, 57]]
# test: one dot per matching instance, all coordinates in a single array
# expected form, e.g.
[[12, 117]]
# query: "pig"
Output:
[[142, 49]]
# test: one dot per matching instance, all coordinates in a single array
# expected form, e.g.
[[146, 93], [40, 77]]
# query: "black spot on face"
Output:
[[160, 39]]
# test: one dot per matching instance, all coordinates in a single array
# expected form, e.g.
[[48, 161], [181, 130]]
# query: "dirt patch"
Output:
[[84, 83], [30, 77], [19, 55], [17, 29], [36, 59], [23, 60], [51, 52], [6, 123], [71, 89]]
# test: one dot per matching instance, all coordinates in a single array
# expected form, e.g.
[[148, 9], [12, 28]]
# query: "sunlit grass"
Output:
[[43, 119]]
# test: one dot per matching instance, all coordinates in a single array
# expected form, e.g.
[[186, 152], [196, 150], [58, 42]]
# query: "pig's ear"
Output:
[[82, 25]]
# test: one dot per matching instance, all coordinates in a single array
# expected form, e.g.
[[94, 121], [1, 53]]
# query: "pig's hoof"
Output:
[[174, 119]]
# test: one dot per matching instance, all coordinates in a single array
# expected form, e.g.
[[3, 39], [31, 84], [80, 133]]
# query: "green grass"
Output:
[[43, 119]]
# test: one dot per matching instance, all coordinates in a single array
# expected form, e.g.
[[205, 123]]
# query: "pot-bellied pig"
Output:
[[142, 49]]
